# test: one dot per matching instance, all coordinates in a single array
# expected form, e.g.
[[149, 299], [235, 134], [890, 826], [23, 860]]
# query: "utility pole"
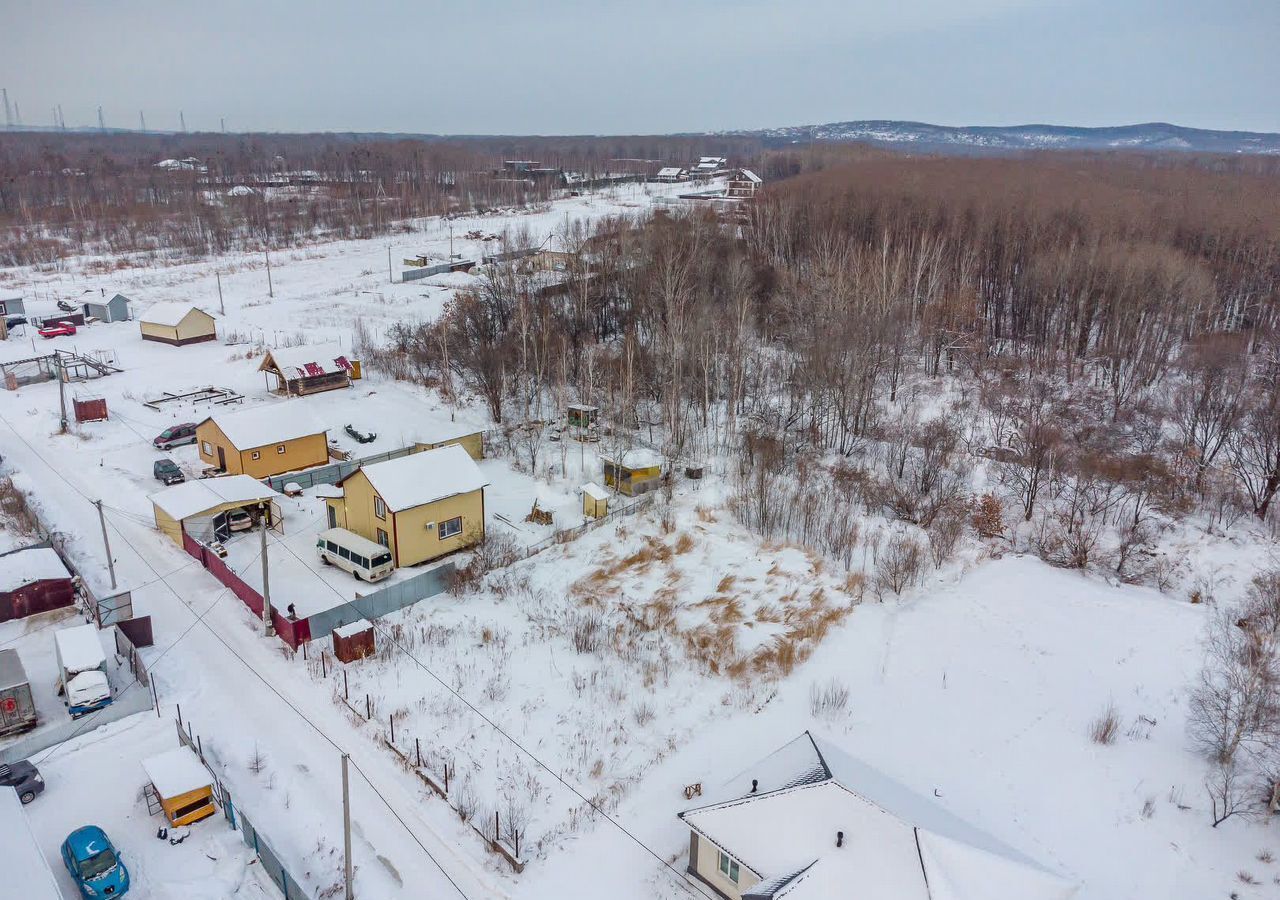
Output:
[[182, 121], [271, 291], [222, 309], [8, 113], [62, 120], [223, 120], [62, 390], [102, 123], [142, 122], [268, 628], [349, 894], [390, 278], [106, 544]]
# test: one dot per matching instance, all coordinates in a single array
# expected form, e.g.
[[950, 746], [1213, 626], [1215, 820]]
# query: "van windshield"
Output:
[[98, 865], [381, 560]]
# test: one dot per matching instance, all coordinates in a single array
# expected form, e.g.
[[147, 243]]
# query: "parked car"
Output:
[[175, 436], [15, 321], [240, 520], [24, 778], [57, 329], [166, 471], [94, 863]]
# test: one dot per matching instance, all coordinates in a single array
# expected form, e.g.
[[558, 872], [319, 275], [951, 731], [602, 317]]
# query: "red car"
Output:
[[58, 329]]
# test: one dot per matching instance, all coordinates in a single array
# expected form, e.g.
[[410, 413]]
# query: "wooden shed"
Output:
[[595, 500], [633, 472], [182, 785], [177, 324], [309, 369], [468, 438], [353, 641], [33, 580], [581, 415]]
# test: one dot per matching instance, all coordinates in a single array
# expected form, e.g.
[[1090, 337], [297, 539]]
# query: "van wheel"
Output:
[[357, 575], [325, 560], [27, 797]]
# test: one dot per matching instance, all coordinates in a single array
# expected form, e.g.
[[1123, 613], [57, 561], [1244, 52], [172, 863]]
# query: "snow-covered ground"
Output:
[[657, 651]]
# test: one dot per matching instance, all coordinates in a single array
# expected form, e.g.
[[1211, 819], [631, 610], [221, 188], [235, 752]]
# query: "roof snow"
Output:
[[750, 176], [308, 361], [272, 423], [79, 648], [194, 497], [23, 567], [176, 772], [594, 491], [669, 172], [897, 846], [359, 626], [635, 458], [425, 477], [26, 872], [168, 312]]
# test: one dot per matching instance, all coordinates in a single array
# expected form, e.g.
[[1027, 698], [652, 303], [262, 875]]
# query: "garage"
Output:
[[213, 509]]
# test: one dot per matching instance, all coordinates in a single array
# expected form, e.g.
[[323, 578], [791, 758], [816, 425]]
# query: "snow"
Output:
[[169, 313], [635, 458], [272, 423], [175, 772], [87, 687], [425, 477], [594, 491], [351, 630], [12, 672], [79, 648], [293, 362], [194, 497], [33, 564], [26, 872]]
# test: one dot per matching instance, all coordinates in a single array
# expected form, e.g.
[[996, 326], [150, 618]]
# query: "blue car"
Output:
[[94, 863]]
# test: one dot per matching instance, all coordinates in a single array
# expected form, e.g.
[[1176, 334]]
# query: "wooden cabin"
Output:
[[580, 415], [309, 369], [182, 785], [468, 438], [177, 324], [264, 440], [633, 472]]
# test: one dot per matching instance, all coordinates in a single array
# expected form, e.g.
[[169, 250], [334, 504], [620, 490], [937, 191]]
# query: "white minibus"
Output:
[[359, 556]]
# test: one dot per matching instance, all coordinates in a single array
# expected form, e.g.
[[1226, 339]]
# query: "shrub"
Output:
[[1105, 728], [828, 699]]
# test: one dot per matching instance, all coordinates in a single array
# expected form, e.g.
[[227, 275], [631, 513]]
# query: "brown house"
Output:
[[309, 369], [33, 580]]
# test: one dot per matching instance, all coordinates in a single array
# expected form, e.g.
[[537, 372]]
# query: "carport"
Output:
[[203, 508]]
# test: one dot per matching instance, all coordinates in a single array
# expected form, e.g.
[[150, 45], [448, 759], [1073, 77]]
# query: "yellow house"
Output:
[[595, 500], [200, 507], [177, 324], [633, 472], [469, 439], [420, 506], [182, 785], [263, 441]]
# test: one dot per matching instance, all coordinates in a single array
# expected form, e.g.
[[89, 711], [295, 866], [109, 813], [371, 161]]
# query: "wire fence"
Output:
[[565, 535]]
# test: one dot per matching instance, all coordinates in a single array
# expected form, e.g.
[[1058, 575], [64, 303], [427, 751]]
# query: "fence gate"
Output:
[[114, 609]]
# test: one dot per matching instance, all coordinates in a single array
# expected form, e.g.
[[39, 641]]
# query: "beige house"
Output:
[[420, 507], [177, 324], [808, 822], [200, 508], [468, 438], [263, 441]]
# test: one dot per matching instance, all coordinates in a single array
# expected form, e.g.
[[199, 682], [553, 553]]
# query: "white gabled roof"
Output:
[[309, 361], [168, 312], [26, 872], [33, 564], [750, 176], [594, 491], [271, 423], [425, 477], [670, 170], [898, 845], [79, 648], [635, 458], [194, 497], [175, 772]]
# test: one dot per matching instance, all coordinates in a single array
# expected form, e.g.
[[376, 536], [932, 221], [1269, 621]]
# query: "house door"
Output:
[[222, 459], [333, 516]]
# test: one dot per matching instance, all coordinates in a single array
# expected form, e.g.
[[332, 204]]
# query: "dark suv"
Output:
[[23, 777], [175, 436], [166, 471]]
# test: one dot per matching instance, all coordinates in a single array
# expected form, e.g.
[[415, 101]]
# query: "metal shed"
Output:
[[33, 580], [114, 310]]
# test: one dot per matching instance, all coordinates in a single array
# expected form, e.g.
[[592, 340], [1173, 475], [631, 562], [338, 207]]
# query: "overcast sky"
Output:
[[641, 66]]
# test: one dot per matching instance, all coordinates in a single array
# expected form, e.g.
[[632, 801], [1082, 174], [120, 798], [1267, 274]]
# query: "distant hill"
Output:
[[1007, 139]]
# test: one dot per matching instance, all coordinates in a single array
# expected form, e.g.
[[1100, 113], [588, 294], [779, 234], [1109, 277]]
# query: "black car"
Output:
[[166, 471], [24, 778], [15, 321]]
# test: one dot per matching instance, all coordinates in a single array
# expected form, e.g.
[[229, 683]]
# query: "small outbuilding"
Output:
[[33, 580], [634, 472], [420, 507], [263, 441], [182, 785], [581, 415], [201, 508], [114, 310], [309, 369], [672, 174], [467, 437], [353, 641], [177, 324], [12, 305], [595, 501]]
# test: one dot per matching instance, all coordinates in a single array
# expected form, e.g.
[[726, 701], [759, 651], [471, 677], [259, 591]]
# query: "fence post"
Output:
[[346, 690], [179, 705], [324, 672], [155, 699], [446, 776], [391, 717], [496, 829], [417, 747], [200, 748], [368, 708]]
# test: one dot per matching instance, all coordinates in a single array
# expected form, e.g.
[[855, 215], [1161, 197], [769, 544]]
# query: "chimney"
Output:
[[839, 838], [754, 784]]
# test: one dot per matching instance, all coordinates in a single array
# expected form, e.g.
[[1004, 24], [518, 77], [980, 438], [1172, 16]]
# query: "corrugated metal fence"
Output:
[[334, 472]]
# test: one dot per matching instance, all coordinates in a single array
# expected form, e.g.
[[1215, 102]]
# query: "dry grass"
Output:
[[1104, 729]]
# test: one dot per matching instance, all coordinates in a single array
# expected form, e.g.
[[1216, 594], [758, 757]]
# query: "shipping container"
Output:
[[17, 708]]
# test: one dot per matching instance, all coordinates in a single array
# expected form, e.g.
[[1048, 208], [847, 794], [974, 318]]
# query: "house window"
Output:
[[383, 539], [206, 448], [379, 508], [255, 455], [280, 448], [451, 527], [728, 868]]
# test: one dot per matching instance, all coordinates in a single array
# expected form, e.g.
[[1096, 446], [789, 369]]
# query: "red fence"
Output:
[[292, 632]]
